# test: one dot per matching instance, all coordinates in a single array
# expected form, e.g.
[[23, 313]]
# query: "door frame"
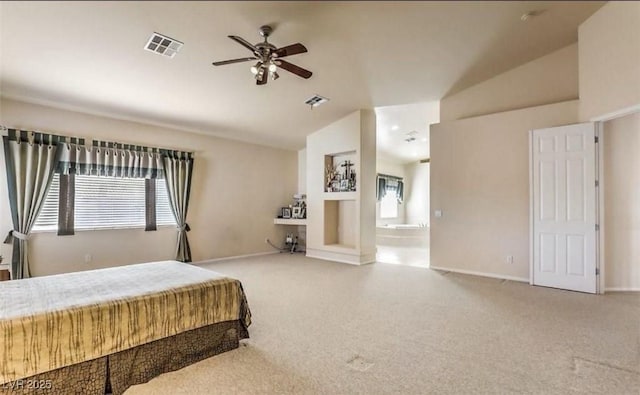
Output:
[[599, 206], [599, 123], [600, 214]]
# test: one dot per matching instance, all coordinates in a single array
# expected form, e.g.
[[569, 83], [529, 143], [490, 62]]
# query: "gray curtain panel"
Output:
[[150, 204], [178, 169], [400, 192], [382, 187], [67, 205], [30, 159]]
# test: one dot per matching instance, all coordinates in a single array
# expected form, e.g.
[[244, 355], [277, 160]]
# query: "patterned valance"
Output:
[[101, 158], [110, 159], [390, 184]]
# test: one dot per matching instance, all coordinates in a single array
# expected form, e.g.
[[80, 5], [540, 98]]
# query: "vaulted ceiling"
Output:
[[89, 56]]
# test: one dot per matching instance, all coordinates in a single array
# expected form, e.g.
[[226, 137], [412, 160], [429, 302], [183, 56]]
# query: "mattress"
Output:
[[50, 322]]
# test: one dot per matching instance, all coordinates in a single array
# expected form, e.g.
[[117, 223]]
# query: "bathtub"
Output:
[[403, 226], [403, 235]]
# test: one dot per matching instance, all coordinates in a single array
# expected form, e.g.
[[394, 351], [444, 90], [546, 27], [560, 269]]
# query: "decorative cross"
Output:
[[347, 165]]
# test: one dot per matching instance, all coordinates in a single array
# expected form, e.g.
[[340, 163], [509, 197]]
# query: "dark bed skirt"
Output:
[[116, 372]]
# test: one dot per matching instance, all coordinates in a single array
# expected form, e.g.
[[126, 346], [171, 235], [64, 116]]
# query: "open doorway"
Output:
[[403, 167], [619, 209]]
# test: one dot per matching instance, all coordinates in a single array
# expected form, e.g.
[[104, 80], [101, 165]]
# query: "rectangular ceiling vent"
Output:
[[316, 100], [163, 45]]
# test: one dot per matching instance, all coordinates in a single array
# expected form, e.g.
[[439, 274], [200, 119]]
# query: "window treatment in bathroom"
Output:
[[390, 184]]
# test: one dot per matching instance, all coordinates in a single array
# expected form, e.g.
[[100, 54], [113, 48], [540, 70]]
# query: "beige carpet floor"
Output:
[[330, 328]]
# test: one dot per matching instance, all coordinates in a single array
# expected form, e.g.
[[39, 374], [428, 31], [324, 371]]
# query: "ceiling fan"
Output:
[[269, 58]]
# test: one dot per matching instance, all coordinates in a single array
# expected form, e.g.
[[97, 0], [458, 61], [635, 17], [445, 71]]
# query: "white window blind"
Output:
[[389, 206], [106, 203], [109, 202]]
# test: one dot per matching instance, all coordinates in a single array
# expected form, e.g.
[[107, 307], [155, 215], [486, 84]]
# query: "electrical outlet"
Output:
[[510, 259], [88, 258]]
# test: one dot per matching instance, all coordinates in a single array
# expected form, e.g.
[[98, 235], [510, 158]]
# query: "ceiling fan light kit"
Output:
[[269, 58]]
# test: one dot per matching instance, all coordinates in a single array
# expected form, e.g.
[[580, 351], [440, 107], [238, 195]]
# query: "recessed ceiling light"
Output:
[[424, 139], [395, 127], [163, 45]]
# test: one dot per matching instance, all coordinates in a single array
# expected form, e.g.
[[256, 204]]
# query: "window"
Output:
[[389, 205], [106, 203], [164, 215]]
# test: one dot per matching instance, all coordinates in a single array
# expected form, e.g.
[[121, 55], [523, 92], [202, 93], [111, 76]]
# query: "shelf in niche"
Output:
[[336, 161], [340, 195], [340, 224]]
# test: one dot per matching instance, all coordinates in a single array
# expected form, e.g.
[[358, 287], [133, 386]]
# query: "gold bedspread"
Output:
[[50, 322]]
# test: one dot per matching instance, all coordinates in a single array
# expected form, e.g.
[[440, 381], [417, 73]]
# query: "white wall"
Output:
[[479, 168], [236, 192], [549, 79], [355, 132], [417, 191], [621, 149], [609, 45], [392, 168], [480, 180], [302, 171]]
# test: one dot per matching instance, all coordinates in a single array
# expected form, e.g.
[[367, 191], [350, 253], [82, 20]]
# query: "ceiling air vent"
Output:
[[163, 45], [316, 100]]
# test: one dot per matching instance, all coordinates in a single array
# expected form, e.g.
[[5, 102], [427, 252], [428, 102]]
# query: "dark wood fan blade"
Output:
[[244, 43], [289, 50], [297, 70], [223, 62], [263, 79]]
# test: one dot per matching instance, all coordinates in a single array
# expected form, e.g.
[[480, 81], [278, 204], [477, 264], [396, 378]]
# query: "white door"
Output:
[[564, 207]]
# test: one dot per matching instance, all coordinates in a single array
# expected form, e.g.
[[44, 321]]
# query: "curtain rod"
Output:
[[89, 141], [389, 176]]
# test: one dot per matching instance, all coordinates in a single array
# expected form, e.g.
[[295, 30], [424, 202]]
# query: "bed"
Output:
[[101, 331]]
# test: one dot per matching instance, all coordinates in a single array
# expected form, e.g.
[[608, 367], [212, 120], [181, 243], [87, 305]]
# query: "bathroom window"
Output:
[[389, 206]]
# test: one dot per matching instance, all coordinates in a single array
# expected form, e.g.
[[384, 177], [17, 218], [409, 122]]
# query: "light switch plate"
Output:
[[438, 213]]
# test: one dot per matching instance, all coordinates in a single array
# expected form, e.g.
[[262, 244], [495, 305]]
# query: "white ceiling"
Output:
[[88, 56], [395, 124]]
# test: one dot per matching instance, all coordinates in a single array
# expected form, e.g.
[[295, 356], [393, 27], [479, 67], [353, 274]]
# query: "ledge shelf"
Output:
[[290, 221], [340, 195]]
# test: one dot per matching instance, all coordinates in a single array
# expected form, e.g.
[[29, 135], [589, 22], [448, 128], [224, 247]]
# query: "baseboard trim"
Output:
[[622, 289], [482, 274], [334, 256], [229, 258]]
